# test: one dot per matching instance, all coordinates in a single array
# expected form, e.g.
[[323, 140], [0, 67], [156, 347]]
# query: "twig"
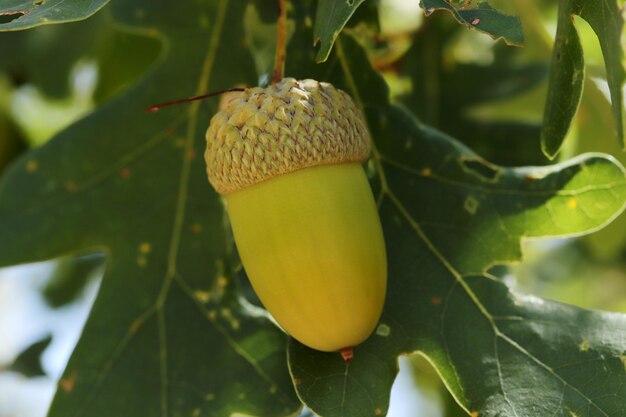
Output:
[[281, 42]]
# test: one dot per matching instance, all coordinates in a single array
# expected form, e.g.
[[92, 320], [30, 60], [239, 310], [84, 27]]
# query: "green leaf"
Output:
[[565, 90], [25, 14], [594, 124], [11, 142], [484, 18], [69, 278], [567, 72], [36, 57], [448, 217], [331, 17], [168, 333], [447, 97], [607, 21]]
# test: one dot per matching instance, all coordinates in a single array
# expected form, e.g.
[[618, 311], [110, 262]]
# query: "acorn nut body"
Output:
[[287, 159]]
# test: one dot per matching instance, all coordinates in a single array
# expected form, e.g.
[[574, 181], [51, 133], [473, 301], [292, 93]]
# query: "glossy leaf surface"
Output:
[[448, 217], [25, 14], [482, 17]]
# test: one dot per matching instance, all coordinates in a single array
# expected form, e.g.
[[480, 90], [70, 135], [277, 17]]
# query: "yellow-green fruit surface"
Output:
[[312, 245]]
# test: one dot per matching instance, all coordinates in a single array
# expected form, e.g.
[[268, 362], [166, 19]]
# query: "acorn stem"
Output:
[[281, 42], [347, 354]]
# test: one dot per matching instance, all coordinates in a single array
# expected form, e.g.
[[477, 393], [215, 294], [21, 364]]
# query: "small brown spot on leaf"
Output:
[[474, 414], [435, 299], [378, 411], [222, 281], [31, 166], [125, 173], [67, 384], [426, 172], [71, 186], [191, 155], [202, 296], [134, 328], [297, 381], [145, 247], [226, 313], [196, 228]]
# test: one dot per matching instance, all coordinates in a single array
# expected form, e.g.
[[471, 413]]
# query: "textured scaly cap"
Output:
[[290, 125]]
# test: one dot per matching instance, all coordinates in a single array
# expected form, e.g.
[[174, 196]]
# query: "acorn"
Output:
[[287, 160]]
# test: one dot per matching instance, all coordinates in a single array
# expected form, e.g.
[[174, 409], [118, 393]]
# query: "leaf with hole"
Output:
[[330, 18], [448, 218], [168, 324], [25, 14], [483, 18]]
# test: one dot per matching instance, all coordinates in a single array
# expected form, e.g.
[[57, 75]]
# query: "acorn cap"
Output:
[[287, 126]]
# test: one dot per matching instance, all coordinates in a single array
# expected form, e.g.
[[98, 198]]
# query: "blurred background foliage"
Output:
[[484, 93]]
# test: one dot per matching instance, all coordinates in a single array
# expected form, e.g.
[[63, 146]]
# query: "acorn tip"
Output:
[[347, 354]]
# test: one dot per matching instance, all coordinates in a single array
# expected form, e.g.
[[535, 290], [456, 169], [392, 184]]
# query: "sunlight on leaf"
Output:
[[447, 216]]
